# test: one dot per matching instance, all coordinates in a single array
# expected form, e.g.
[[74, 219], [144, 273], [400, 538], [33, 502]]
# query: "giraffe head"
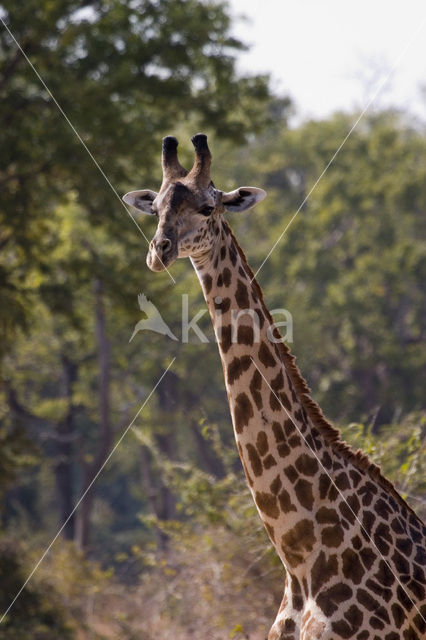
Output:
[[187, 206]]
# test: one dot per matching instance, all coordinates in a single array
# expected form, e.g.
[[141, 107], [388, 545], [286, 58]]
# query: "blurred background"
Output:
[[167, 543]]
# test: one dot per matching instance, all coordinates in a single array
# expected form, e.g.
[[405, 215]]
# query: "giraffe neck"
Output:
[[274, 435], [340, 528]]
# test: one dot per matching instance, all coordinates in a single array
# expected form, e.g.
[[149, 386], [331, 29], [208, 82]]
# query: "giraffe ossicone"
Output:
[[353, 550]]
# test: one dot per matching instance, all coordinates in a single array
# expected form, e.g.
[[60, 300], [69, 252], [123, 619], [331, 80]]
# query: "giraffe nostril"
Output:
[[163, 245]]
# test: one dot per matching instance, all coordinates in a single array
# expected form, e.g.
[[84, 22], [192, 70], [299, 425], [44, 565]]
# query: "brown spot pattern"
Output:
[[323, 569], [304, 493], [241, 295], [265, 356], [233, 255], [289, 427], [298, 541], [342, 482], [276, 485], [307, 465], [324, 485], [222, 304], [285, 502], [352, 623], [351, 566], [327, 516], [207, 281], [294, 441], [269, 461], [261, 317], [283, 450], [368, 557], [278, 432], [255, 386], [330, 599], [226, 275], [284, 400], [226, 338], [297, 599], [245, 335], [255, 461], [262, 443], [332, 536], [237, 367], [243, 411], [274, 402], [267, 503], [291, 473], [277, 383]]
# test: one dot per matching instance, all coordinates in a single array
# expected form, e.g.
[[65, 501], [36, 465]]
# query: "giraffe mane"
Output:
[[331, 435]]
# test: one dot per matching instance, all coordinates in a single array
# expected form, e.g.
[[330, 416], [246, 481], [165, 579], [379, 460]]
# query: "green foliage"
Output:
[[38, 613], [123, 73], [17, 454], [173, 522], [218, 555], [70, 261]]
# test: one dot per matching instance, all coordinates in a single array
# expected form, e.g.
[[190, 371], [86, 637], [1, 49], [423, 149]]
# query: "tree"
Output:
[[123, 74]]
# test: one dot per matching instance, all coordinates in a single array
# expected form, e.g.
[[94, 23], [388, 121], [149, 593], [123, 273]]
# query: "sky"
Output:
[[330, 55]]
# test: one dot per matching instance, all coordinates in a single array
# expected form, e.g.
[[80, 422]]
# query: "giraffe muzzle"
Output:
[[162, 252]]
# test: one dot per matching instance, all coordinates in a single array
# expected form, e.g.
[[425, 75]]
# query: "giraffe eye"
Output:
[[206, 210]]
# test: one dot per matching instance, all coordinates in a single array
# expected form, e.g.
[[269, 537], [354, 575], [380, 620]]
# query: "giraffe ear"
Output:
[[141, 200], [242, 198]]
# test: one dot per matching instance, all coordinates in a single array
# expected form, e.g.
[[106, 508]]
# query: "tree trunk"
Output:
[[105, 433], [210, 461], [65, 435], [161, 500], [166, 507], [153, 491], [166, 442]]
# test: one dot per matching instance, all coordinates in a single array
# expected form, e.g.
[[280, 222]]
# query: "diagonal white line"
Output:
[[117, 444], [79, 137], [341, 494], [351, 130]]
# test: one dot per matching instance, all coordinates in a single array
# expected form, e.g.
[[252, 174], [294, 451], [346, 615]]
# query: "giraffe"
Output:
[[353, 550]]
